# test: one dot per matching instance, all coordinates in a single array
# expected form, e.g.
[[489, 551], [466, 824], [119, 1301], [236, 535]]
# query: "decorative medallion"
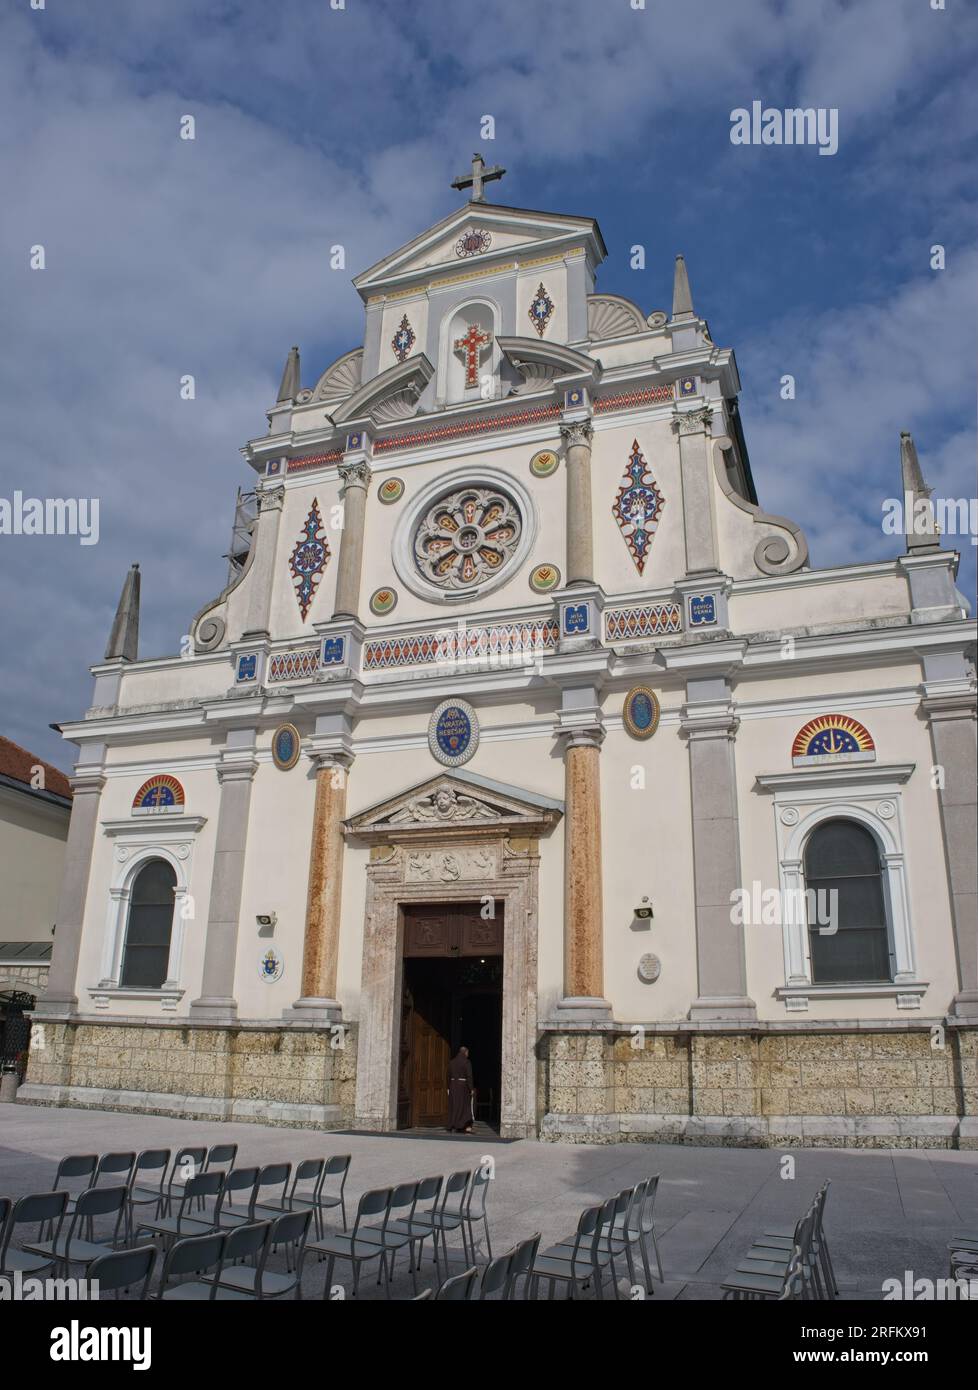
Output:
[[649, 969], [247, 667], [473, 242], [541, 309], [543, 463], [309, 559], [271, 966], [702, 609], [573, 397], [391, 490], [686, 386], [467, 536], [453, 733], [161, 793], [832, 737], [382, 601], [544, 578], [638, 507], [403, 340], [472, 347], [285, 746], [641, 712]]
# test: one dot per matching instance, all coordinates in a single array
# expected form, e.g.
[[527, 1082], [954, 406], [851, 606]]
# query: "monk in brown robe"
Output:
[[460, 1093]]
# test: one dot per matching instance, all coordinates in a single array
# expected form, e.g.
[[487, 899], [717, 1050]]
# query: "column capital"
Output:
[[577, 433], [86, 783], [270, 499], [957, 703], [337, 753], [709, 719], [355, 472], [696, 421]]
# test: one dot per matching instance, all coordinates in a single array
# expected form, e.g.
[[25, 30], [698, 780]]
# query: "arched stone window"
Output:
[[842, 858], [146, 950]]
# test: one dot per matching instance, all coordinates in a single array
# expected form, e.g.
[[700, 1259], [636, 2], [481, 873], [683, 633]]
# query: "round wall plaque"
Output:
[[391, 490], [649, 969], [383, 600], [544, 578], [286, 746], [453, 733], [271, 966], [641, 712], [543, 463]]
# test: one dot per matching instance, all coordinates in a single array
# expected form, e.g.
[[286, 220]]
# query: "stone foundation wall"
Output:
[[861, 1088], [287, 1076]]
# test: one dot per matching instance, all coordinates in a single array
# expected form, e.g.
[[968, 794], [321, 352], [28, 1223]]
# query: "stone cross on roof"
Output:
[[480, 175]]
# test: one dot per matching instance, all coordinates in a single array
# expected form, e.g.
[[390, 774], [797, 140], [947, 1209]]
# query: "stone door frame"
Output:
[[465, 865]]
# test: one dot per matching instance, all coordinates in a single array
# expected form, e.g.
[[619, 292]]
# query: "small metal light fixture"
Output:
[[644, 909], [266, 922]]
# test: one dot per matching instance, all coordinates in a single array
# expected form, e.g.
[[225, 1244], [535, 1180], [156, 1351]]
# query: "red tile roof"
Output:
[[17, 764]]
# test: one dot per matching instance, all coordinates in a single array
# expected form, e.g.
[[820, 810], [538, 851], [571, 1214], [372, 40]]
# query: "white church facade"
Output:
[[523, 726]]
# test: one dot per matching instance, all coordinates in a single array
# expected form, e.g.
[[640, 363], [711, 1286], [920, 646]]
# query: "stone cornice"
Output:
[[875, 775]]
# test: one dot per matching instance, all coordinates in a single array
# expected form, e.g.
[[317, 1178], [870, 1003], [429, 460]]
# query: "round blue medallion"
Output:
[[285, 746], [641, 712], [453, 732]]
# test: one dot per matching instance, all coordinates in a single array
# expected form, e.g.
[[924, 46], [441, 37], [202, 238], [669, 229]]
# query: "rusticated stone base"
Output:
[[269, 1075], [898, 1086]]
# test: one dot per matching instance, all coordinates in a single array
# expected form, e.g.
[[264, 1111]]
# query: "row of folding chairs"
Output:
[[500, 1277], [608, 1236], [390, 1220], [157, 1179], [788, 1262]]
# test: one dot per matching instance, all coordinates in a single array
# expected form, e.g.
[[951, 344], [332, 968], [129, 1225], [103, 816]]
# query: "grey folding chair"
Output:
[[495, 1277], [144, 1193], [187, 1163], [244, 1181], [123, 1269], [46, 1211], [331, 1190], [400, 1213], [760, 1278], [579, 1261], [522, 1257], [179, 1224], [448, 1216], [308, 1170], [647, 1222], [75, 1168], [460, 1288], [244, 1243], [418, 1227], [352, 1247], [287, 1232], [782, 1238], [270, 1191], [475, 1208], [70, 1247], [221, 1156], [196, 1255]]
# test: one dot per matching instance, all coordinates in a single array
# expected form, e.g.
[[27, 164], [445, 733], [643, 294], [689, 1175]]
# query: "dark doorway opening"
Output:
[[453, 995]]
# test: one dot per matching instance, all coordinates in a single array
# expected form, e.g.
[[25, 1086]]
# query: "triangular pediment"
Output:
[[456, 801], [455, 242]]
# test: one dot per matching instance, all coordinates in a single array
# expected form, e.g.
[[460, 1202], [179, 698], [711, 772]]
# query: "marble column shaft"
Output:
[[720, 955], [696, 468], [261, 574], [356, 480], [227, 878], [577, 436], [952, 727], [320, 954], [583, 899], [60, 996]]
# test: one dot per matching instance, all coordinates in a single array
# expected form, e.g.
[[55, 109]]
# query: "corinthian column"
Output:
[[577, 436], [60, 998], [583, 735], [262, 571], [320, 951], [235, 773], [355, 477], [695, 470]]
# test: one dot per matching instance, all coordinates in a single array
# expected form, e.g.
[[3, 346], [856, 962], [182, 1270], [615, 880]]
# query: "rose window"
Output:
[[467, 537]]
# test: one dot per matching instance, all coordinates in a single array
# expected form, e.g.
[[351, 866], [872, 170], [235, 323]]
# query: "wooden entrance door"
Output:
[[438, 934]]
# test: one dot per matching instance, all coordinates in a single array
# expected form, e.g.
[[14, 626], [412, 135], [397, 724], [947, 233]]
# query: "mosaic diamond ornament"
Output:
[[309, 559], [403, 340], [638, 507], [541, 309]]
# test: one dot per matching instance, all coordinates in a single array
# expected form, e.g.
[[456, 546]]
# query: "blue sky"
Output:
[[317, 126]]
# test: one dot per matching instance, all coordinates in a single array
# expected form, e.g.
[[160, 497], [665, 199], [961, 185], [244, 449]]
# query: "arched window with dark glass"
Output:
[[147, 948], [843, 857]]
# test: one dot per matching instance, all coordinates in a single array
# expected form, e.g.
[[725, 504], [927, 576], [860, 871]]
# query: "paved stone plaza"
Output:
[[887, 1211]]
